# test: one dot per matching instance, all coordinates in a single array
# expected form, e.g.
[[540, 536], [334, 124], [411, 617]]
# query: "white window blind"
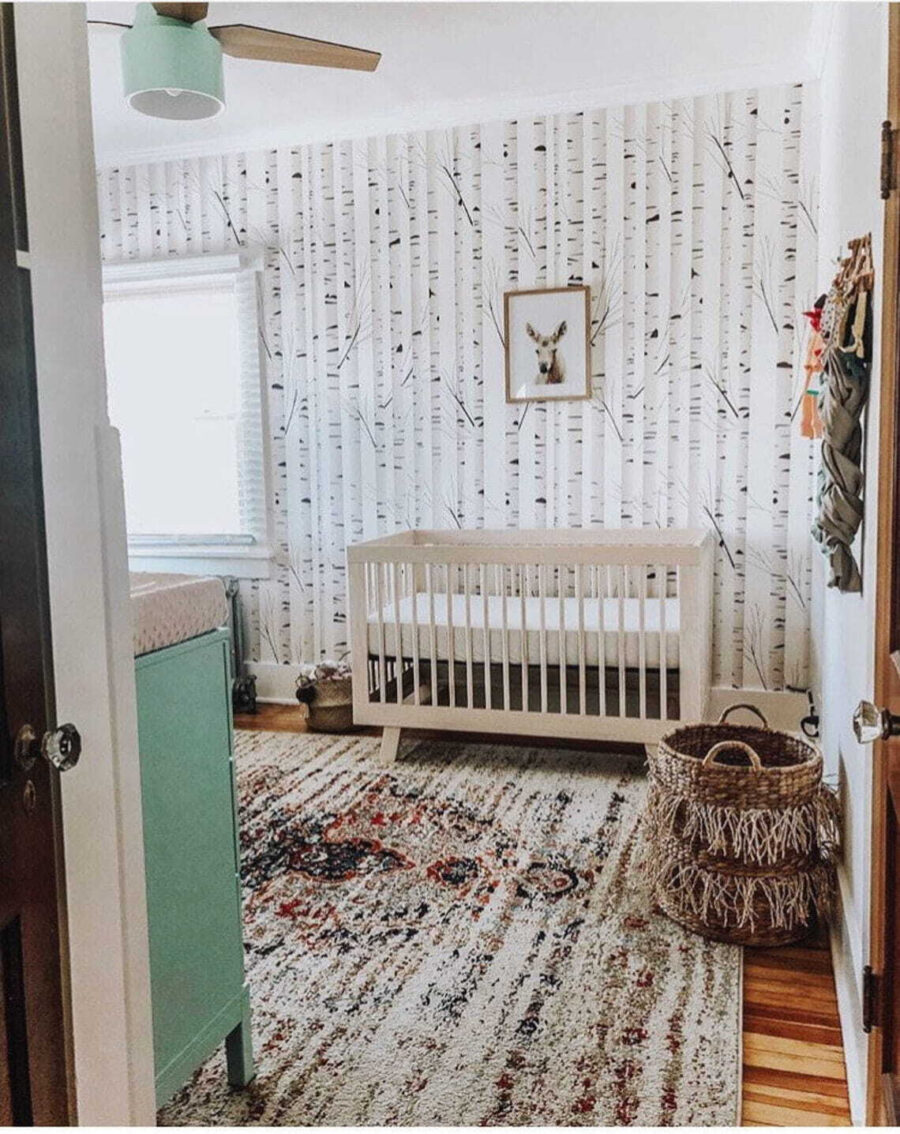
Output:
[[183, 380]]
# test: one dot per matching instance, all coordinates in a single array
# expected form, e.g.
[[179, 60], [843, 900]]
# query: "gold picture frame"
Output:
[[535, 323]]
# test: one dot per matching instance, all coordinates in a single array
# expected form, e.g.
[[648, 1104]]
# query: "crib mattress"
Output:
[[603, 642], [172, 608]]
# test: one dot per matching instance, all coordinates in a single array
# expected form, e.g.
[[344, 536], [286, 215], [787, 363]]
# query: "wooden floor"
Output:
[[794, 1071]]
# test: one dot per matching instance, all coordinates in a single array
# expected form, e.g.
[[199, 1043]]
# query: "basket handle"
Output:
[[726, 713], [717, 748]]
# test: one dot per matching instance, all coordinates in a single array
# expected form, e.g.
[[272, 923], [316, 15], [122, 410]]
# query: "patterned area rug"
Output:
[[464, 939]]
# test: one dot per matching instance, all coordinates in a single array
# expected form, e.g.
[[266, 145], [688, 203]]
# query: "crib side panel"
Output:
[[586, 632]]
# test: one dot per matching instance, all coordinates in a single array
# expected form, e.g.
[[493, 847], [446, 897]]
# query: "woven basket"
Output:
[[743, 832], [331, 709], [749, 906]]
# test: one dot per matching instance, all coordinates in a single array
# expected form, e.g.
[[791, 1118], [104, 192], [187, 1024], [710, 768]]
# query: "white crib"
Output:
[[592, 633]]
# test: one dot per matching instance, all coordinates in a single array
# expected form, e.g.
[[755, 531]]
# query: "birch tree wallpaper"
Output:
[[386, 259]]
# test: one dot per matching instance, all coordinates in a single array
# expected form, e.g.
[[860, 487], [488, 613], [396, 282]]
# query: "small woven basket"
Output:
[[331, 707], [743, 832]]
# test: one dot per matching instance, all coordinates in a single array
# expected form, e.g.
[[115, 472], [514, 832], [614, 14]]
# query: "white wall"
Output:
[[853, 102], [450, 64], [88, 578]]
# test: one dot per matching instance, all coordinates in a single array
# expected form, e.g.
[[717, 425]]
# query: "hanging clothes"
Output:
[[810, 420], [846, 327]]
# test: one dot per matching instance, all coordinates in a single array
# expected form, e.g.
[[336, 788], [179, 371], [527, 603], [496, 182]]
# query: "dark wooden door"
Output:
[[882, 978], [33, 1048]]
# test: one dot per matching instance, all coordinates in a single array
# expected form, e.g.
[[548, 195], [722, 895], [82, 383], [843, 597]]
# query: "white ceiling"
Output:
[[446, 63]]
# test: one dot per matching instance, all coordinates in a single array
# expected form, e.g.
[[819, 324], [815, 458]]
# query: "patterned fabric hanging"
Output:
[[810, 419], [847, 334]]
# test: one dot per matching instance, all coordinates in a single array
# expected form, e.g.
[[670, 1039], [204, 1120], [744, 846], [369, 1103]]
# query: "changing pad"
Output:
[[172, 608]]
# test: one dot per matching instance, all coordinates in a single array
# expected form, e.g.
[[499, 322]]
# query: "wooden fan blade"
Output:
[[189, 13], [246, 42], [107, 24]]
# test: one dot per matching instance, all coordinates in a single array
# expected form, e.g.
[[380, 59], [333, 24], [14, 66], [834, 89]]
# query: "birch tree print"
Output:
[[694, 222]]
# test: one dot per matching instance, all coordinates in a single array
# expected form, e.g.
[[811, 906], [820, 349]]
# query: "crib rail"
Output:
[[577, 633]]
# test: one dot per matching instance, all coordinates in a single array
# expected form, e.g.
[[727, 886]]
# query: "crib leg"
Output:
[[390, 743]]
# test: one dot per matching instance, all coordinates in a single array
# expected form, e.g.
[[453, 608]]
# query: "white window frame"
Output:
[[247, 555]]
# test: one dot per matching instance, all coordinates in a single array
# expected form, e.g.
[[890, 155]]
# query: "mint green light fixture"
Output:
[[171, 69]]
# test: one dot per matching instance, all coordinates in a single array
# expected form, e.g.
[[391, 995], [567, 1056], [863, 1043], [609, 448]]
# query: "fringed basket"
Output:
[[743, 831]]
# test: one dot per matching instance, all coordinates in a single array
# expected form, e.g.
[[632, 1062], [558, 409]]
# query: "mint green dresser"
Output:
[[200, 997]]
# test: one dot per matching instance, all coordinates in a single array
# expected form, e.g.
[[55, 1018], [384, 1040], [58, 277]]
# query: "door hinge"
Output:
[[871, 999], [888, 159]]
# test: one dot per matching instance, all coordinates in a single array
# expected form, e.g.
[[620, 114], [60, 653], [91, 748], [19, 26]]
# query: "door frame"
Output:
[[887, 677], [88, 577]]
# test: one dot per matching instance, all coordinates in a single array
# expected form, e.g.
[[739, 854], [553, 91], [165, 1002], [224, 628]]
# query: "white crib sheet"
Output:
[[531, 638]]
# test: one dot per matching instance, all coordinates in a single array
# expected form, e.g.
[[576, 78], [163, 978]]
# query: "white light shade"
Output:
[[171, 69]]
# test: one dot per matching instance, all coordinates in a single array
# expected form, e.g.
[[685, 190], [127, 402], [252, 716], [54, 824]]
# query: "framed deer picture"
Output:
[[548, 348]]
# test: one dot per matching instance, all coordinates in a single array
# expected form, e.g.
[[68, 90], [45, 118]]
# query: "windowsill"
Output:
[[253, 561]]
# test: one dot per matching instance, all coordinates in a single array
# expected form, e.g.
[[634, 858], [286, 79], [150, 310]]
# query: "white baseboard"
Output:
[[847, 965], [782, 710], [275, 684]]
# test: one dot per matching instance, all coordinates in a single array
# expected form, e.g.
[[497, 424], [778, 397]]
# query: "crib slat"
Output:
[[451, 633], [642, 642], [582, 671], [563, 690], [622, 581], [382, 662], [398, 636], [414, 598], [485, 612], [523, 634], [663, 649], [601, 575], [367, 605], [504, 621], [467, 596], [432, 643], [542, 603]]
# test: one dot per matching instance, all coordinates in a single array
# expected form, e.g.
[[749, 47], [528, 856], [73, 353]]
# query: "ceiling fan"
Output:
[[172, 62]]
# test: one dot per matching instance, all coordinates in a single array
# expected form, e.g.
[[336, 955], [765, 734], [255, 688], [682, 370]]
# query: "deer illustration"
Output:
[[551, 364]]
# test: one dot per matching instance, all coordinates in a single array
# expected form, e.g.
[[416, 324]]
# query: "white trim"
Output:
[[253, 562], [463, 112], [847, 967], [783, 710], [161, 544], [88, 579], [178, 267], [23, 260], [275, 684]]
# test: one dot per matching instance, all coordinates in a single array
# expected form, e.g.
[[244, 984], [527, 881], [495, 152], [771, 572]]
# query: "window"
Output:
[[184, 392]]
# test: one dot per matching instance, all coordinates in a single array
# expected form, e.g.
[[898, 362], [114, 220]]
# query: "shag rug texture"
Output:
[[464, 939]]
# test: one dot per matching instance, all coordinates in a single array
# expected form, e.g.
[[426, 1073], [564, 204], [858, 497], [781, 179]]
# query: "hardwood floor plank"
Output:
[[794, 1073], [785, 1116], [779, 1012], [794, 1081], [797, 1100], [798, 1030]]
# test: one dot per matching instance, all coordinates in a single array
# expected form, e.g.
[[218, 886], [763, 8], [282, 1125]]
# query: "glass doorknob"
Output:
[[871, 723], [61, 747]]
